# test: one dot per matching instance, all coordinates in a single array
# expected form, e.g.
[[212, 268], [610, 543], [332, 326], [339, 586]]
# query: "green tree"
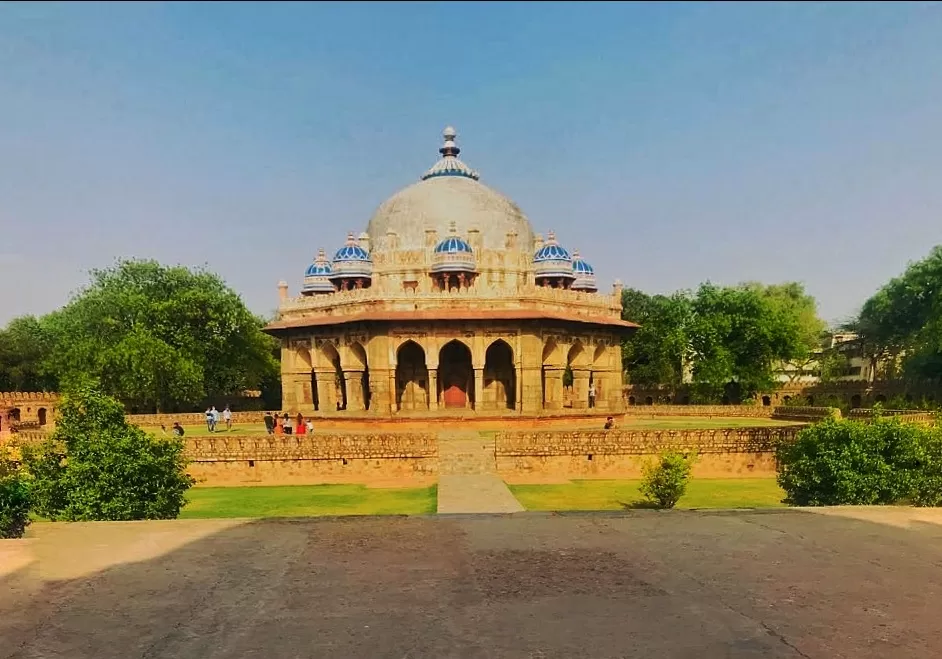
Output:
[[25, 344], [740, 333], [655, 354], [664, 481], [97, 466], [159, 337], [904, 318]]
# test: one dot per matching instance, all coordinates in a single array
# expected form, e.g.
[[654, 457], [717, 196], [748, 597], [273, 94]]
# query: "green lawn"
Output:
[[615, 494], [307, 500]]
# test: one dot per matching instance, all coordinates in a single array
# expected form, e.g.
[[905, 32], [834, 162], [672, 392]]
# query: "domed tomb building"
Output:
[[449, 304]]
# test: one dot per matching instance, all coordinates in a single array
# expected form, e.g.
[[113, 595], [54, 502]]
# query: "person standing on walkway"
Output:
[[591, 394], [269, 423], [209, 419], [215, 414], [227, 417]]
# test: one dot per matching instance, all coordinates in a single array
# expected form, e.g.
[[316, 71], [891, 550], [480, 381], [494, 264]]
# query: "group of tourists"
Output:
[[212, 418], [282, 425]]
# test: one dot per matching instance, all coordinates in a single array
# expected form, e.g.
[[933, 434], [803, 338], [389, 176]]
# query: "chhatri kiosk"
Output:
[[449, 305]]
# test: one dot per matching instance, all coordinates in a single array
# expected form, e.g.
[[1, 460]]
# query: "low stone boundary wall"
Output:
[[317, 458], [726, 452], [807, 414], [750, 411], [907, 416], [190, 418]]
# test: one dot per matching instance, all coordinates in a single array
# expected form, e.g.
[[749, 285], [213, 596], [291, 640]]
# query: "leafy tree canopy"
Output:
[[905, 317], [159, 337], [23, 345], [723, 335]]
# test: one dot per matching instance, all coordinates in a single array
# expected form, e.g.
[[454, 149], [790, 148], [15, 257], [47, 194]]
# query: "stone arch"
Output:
[[631, 400], [360, 363], [302, 357], [14, 414], [855, 401], [649, 400], [456, 375], [578, 356], [41, 414], [766, 401], [332, 357], [880, 399], [551, 352], [500, 378], [411, 377]]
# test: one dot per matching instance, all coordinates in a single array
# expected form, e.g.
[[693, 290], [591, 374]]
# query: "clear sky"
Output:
[[669, 143]]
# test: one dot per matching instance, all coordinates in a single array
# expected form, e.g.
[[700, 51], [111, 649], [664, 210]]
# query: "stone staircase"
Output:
[[467, 476], [465, 453]]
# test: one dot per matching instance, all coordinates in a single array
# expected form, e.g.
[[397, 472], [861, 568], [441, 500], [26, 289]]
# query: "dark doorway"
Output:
[[411, 377], [500, 380], [456, 375]]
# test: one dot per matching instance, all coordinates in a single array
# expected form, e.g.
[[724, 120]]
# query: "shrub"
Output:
[[14, 498], [96, 466], [843, 462], [665, 480]]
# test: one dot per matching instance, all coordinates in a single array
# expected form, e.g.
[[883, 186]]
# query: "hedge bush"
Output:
[[845, 462], [665, 480], [14, 498], [96, 466]]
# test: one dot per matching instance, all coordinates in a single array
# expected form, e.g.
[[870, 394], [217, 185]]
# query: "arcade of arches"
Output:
[[425, 371]]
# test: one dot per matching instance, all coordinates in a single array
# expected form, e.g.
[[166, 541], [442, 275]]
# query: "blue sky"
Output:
[[669, 143]]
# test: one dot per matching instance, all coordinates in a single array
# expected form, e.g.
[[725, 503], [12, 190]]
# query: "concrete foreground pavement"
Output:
[[679, 584]]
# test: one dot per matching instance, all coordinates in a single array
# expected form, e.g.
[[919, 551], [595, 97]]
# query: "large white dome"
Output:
[[449, 194]]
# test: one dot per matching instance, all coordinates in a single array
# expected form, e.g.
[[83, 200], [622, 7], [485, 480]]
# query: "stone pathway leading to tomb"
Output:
[[467, 476]]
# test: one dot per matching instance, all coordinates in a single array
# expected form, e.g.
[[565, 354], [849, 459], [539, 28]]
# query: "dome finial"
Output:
[[551, 236], [449, 149], [453, 228]]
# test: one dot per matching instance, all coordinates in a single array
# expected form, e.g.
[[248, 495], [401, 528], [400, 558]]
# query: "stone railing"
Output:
[[642, 442], [578, 301], [808, 414], [750, 411], [326, 446]]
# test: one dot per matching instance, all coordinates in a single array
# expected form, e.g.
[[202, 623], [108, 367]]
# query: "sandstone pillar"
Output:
[[518, 394], [326, 389], [478, 388], [580, 388], [433, 389], [354, 381], [553, 388], [530, 401], [381, 399]]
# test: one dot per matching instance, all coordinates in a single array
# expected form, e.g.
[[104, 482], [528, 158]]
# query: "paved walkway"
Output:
[[468, 480], [782, 584]]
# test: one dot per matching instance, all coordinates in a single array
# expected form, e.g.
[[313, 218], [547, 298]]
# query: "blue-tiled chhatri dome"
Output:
[[453, 254], [584, 273], [351, 262], [449, 164], [317, 276], [552, 264]]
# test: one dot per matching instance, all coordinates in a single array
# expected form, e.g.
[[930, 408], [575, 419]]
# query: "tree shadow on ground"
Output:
[[639, 504]]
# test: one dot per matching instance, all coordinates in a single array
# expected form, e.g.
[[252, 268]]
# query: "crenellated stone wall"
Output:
[[309, 459], [806, 414], [191, 418], [21, 410], [721, 453], [651, 411]]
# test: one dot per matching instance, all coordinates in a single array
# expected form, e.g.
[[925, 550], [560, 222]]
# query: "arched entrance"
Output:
[[41, 413], [339, 386], [456, 375], [500, 379], [855, 401], [411, 377]]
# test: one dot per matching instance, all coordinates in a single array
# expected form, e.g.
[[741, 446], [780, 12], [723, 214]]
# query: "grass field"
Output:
[[307, 500], [617, 494]]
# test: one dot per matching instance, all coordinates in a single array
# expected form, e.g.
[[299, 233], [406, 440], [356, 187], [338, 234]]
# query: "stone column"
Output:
[[381, 399], [433, 389], [518, 394], [554, 388], [478, 388], [531, 390], [580, 388], [326, 389], [354, 381]]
